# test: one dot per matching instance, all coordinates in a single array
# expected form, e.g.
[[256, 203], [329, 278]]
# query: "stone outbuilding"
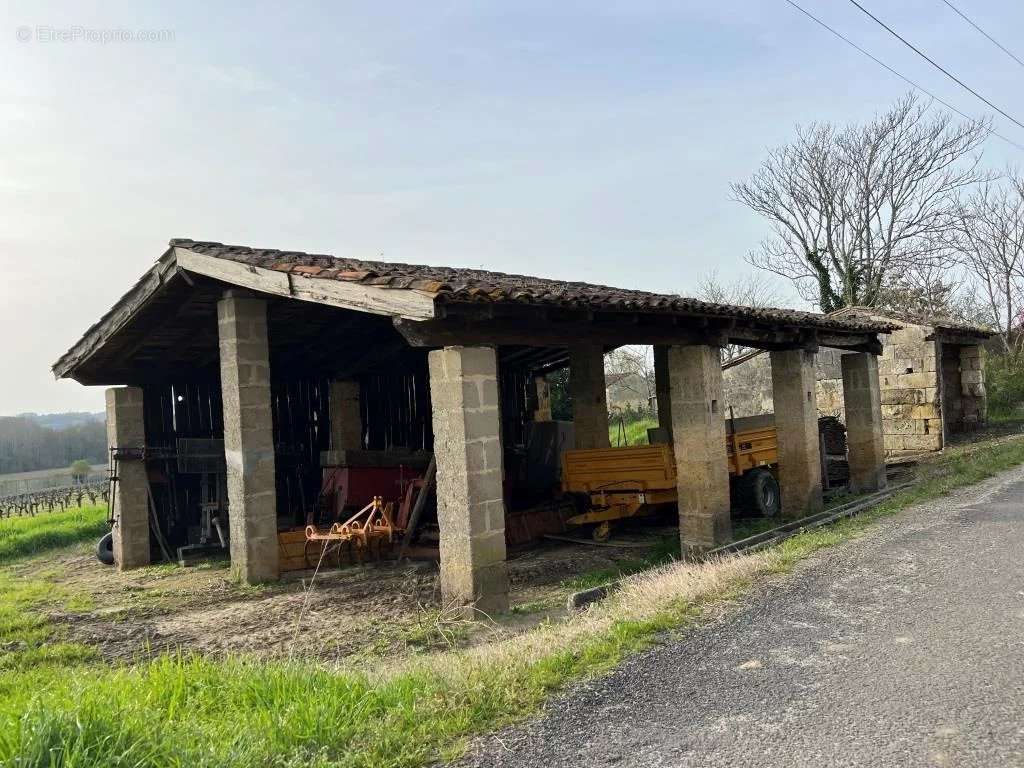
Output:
[[243, 378], [931, 380]]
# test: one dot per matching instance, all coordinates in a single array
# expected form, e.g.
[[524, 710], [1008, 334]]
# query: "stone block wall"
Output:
[[747, 388], [972, 386], [914, 391], [908, 374], [828, 383]]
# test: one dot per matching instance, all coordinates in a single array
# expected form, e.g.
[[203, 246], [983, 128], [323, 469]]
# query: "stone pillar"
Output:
[[972, 381], [126, 431], [589, 397], [662, 387], [470, 501], [346, 416], [248, 436], [698, 440], [863, 405], [796, 422]]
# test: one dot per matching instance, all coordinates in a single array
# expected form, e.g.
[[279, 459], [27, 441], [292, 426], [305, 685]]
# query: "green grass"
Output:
[[665, 551], [630, 433], [25, 536], [182, 711], [178, 711]]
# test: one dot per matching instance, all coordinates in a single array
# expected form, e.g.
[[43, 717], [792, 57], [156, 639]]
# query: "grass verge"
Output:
[[181, 710], [26, 536]]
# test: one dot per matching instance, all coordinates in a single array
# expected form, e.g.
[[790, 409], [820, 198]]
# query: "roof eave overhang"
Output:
[[177, 261], [127, 307]]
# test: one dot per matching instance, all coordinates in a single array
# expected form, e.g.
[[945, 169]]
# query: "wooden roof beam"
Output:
[[413, 305], [533, 333]]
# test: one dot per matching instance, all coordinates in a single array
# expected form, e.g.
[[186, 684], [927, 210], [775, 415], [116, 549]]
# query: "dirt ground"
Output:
[[370, 610], [374, 609]]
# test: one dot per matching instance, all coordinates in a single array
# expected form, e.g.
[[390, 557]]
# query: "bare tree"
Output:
[[749, 290], [633, 370], [989, 239], [940, 289], [856, 207]]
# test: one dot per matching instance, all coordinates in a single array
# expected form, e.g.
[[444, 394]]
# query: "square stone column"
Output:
[[589, 396], [862, 399], [248, 436], [662, 387], [470, 473], [126, 431], [698, 442], [796, 422], [346, 416]]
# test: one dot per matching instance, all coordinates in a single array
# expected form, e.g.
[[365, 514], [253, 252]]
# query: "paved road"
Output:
[[904, 648]]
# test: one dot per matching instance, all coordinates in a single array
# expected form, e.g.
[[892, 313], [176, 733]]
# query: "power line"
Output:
[[907, 80], [931, 61], [999, 45]]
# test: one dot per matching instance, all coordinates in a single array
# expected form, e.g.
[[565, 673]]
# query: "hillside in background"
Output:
[[51, 441], [63, 420]]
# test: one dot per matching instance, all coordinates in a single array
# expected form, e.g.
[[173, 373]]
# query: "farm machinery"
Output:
[[612, 484]]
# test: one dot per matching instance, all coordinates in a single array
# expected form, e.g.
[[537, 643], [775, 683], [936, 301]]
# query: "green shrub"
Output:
[[1004, 385]]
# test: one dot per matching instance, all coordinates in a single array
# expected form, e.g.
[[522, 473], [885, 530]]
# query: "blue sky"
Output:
[[591, 141]]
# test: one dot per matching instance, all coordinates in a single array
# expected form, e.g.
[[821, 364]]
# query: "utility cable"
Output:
[[907, 80], [995, 42], [935, 64]]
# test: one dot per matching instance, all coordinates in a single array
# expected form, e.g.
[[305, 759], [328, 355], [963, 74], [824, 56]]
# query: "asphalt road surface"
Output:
[[903, 648]]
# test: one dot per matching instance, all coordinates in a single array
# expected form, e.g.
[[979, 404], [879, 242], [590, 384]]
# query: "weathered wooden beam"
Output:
[[410, 304], [526, 332]]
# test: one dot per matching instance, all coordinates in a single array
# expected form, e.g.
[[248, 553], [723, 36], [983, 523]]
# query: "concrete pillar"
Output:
[[662, 387], [796, 421], [346, 416], [863, 404], [248, 436], [589, 397], [126, 431], [470, 501], [698, 440]]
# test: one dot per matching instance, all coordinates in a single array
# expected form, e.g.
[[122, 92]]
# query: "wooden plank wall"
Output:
[[396, 408], [301, 431]]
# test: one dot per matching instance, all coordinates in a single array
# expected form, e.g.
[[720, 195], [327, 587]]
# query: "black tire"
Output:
[[105, 549], [760, 492]]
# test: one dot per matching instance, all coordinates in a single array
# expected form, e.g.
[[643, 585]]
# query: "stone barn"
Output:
[[246, 382], [931, 379]]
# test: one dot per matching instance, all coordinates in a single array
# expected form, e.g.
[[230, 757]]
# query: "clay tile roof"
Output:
[[937, 322], [453, 284]]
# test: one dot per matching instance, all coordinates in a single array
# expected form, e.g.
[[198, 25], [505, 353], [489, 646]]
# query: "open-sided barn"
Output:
[[298, 361]]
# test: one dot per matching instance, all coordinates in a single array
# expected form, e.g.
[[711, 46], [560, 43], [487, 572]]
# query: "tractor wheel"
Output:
[[760, 492], [105, 549]]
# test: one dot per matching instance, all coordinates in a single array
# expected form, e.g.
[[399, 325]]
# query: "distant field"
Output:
[[41, 479]]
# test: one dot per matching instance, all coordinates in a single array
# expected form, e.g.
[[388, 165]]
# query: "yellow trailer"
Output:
[[628, 481]]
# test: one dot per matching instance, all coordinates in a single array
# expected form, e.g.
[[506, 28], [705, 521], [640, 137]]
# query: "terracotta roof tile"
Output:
[[452, 284]]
